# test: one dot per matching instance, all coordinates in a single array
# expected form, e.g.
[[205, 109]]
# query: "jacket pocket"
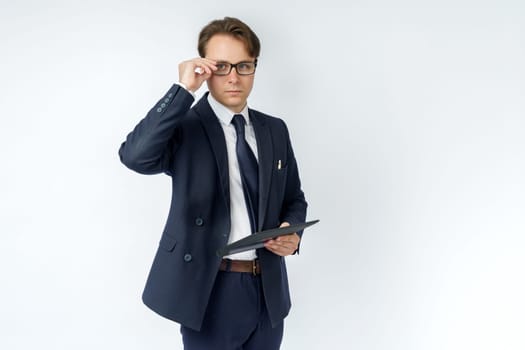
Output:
[[167, 243], [280, 176]]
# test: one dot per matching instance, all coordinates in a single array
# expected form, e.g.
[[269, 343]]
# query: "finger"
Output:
[[281, 248], [286, 245], [201, 69], [276, 250], [209, 60], [198, 66], [294, 238], [207, 64], [273, 245]]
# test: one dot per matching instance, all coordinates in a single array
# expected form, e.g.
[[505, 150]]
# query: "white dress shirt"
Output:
[[240, 220]]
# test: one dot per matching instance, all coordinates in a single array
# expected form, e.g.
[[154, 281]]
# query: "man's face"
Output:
[[231, 90]]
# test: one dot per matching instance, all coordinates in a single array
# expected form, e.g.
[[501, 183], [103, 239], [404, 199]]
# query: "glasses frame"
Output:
[[234, 65]]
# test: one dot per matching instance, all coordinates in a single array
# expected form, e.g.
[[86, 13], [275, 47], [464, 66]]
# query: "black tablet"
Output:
[[257, 239]]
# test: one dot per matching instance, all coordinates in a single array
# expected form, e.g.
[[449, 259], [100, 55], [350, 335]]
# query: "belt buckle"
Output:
[[254, 267]]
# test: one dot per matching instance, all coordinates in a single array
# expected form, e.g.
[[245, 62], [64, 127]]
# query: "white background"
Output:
[[407, 118]]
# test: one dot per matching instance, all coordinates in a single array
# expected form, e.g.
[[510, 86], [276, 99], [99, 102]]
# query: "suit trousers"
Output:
[[236, 317]]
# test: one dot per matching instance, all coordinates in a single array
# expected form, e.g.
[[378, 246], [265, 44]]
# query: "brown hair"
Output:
[[230, 26]]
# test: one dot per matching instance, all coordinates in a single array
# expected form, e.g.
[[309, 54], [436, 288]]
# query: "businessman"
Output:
[[233, 172]]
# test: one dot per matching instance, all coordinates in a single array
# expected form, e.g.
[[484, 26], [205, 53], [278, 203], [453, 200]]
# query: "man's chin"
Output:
[[234, 102]]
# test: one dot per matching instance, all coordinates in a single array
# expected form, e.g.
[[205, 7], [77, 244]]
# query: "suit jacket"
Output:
[[189, 145]]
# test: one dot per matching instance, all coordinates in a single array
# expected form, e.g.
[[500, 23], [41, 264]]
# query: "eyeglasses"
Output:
[[242, 68]]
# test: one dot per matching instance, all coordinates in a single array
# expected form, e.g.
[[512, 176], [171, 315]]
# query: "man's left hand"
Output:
[[283, 245]]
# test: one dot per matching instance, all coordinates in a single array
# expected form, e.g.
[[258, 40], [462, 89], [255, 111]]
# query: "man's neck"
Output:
[[224, 113]]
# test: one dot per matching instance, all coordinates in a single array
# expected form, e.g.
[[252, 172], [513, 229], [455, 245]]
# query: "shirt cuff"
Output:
[[186, 88]]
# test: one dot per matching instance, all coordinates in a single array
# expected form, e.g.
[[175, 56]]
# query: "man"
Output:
[[233, 173]]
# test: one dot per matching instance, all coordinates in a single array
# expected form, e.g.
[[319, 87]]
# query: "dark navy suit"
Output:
[[189, 145]]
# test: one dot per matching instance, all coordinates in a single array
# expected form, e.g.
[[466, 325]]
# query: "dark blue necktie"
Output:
[[249, 171]]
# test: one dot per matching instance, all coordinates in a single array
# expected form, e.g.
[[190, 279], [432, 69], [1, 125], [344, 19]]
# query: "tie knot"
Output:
[[238, 122]]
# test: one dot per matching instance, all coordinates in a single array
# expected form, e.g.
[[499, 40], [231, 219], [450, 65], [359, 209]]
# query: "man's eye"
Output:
[[222, 66], [244, 66]]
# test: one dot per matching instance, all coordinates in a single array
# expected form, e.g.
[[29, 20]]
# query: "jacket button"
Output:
[[199, 221], [187, 257]]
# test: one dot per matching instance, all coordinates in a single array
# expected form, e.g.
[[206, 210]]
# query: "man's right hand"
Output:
[[190, 78]]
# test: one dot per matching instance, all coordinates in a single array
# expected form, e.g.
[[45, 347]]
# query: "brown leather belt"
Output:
[[251, 266]]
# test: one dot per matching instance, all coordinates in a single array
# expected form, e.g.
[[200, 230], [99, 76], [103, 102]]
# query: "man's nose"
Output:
[[233, 76]]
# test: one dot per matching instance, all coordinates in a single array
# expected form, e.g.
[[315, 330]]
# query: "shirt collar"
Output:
[[224, 114]]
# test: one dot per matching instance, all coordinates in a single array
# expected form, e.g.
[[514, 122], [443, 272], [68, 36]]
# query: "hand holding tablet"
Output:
[[257, 239]]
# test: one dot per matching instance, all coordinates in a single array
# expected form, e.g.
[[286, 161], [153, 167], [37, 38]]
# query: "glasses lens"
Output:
[[245, 68], [223, 68]]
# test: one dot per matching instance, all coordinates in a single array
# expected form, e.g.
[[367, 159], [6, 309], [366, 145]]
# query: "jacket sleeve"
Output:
[[149, 148], [294, 204]]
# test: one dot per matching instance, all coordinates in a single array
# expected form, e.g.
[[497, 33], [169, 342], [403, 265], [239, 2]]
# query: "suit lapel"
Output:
[[265, 151], [263, 137], [215, 134]]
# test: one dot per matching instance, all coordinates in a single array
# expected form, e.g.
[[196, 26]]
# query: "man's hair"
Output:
[[230, 26]]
